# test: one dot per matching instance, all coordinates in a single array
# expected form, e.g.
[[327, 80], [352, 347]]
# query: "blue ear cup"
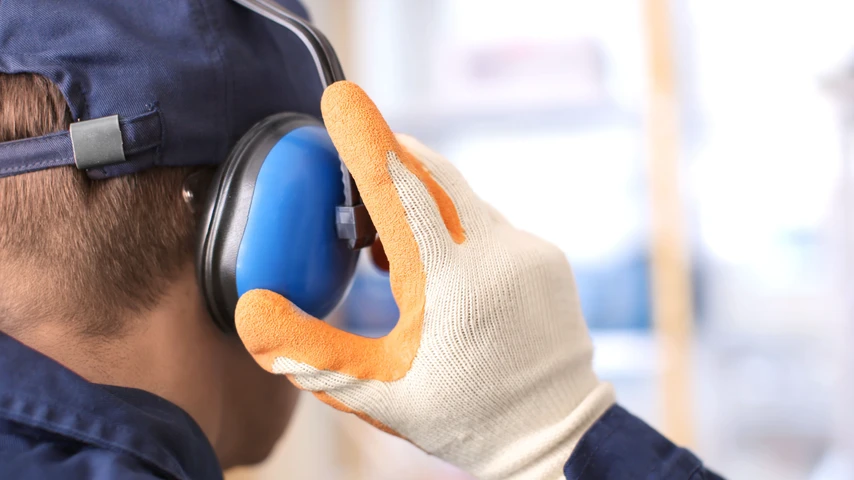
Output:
[[270, 221]]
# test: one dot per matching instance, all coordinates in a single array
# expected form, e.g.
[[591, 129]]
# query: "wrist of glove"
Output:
[[489, 366]]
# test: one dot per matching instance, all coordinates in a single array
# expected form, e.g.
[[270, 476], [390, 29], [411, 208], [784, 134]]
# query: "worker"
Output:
[[140, 288]]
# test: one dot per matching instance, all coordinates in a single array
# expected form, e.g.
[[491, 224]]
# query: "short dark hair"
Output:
[[92, 251]]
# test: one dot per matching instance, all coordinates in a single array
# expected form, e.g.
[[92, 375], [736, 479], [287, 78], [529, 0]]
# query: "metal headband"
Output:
[[328, 67]]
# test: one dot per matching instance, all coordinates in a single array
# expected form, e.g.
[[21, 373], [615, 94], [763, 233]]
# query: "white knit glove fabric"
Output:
[[489, 367]]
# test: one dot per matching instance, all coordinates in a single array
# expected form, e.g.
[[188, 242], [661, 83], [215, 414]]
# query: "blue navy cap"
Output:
[[171, 82]]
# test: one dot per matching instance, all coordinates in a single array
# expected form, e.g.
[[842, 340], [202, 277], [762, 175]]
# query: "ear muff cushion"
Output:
[[271, 221]]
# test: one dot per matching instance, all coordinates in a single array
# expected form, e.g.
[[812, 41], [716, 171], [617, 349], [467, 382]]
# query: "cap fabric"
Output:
[[186, 78]]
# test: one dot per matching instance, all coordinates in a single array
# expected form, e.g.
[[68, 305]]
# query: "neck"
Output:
[[157, 351]]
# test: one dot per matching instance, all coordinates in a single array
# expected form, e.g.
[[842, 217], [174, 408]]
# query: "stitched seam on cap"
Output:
[[158, 157], [216, 46]]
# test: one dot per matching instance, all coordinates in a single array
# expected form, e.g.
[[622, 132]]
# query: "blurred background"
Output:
[[693, 159]]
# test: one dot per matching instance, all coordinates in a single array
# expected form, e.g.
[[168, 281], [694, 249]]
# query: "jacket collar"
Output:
[[37, 391]]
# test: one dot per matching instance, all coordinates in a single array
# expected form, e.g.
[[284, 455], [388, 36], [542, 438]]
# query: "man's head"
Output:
[[99, 275], [96, 264]]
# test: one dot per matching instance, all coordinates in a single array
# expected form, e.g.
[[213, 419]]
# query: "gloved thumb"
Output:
[[272, 328]]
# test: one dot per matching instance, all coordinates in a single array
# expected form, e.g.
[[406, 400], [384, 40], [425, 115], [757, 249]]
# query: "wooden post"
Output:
[[670, 264]]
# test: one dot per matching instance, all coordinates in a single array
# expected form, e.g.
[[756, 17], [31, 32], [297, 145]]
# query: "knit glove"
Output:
[[489, 365]]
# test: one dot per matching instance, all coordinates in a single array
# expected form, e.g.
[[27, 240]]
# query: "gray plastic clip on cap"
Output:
[[97, 142]]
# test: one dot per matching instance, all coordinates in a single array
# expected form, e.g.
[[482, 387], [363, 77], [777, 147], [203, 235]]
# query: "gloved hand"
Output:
[[489, 366]]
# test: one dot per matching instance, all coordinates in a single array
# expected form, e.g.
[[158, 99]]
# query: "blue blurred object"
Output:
[[369, 310], [616, 295], [613, 296]]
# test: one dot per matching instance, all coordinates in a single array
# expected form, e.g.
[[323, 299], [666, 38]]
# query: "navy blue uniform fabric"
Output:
[[621, 446], [55, 424], [208, 70]]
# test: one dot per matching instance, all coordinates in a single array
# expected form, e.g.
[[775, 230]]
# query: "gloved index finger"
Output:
[[366, 145], [376, 160]]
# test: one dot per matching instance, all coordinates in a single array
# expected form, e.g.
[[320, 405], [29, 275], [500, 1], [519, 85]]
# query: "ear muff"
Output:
[[270, 221]]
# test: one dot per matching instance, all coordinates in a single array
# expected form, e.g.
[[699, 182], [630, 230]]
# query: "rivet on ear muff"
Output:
[[194, 189]]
